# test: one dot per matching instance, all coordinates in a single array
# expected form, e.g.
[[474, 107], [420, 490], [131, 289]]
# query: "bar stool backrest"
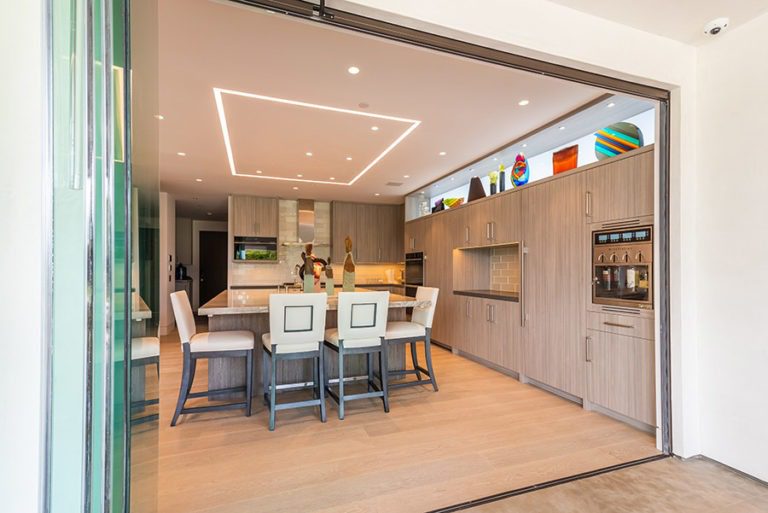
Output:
[[297, 318], [424, 316], [185, 320], [362, 315]]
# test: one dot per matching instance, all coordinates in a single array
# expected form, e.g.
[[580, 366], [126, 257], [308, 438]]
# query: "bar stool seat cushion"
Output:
[[404, 329], [284, 348], [145, 347], [332, 337], [221, 341]]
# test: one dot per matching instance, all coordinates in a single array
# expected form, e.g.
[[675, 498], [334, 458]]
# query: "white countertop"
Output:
[[249, 301]]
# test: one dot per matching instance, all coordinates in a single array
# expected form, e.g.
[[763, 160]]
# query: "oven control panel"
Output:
[[622, 247]]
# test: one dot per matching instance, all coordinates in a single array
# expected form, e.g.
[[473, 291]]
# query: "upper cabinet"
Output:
[[376, 232], [416, 235], [620, 189], [254, 217]]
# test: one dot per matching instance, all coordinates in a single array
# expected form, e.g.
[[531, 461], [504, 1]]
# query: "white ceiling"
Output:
[[464, 108], [682, 20]]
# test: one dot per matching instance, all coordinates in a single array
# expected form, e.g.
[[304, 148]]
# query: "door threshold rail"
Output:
[[547, 484]]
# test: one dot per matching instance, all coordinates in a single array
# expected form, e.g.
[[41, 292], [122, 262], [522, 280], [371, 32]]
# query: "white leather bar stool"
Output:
[[362, 323], [296, 330], [216, 344], [419, 329], [145, 351]]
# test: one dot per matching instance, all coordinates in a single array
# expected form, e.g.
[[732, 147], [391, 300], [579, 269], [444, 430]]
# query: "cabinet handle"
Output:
[[487, 231], [524, 253], [487, 313], [466, 304], [466, 234], [618, 325], [379, 254], [588, 349], [493, 230], [588, 206], [492, 309]]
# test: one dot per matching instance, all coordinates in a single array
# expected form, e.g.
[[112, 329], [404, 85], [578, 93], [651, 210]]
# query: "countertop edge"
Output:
[[489, 294]]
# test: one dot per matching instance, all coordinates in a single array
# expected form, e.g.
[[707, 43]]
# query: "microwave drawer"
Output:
[[640, 327]]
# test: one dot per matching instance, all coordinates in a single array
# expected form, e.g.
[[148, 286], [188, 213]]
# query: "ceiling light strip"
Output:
[[218, 92]]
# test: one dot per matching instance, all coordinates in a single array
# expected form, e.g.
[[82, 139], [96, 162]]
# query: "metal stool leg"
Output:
[[321, 379], [249, 383], [428, 353], [369, 360], [186, 383], [384, 369], [415, 360], [265, 375], [341, 382], [272, 391]]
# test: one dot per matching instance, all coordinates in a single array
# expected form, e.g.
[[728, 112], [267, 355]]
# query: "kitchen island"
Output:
[[248, 309]]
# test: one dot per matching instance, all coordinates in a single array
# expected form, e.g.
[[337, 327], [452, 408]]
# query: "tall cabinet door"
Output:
[[620, 189], [343, 221], [554, 267], [366, 231], [391, 233]]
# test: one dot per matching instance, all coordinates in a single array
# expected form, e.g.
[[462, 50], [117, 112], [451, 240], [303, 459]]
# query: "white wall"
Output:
[[23, 203], [548, 31], [733, 248], [167, 261]]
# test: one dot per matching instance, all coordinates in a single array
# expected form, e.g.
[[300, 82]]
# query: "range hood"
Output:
[[306, 221]]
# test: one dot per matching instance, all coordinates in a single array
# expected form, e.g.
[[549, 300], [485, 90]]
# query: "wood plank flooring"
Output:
[[481, 434]]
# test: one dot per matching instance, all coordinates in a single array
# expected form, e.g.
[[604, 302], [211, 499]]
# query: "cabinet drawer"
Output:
[[640, 327]]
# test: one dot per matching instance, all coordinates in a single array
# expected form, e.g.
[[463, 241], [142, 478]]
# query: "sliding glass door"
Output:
[[90, 404]]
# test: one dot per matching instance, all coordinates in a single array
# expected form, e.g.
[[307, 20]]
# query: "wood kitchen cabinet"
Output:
[[254, 217], [554, 276], [620, 374], [415, 235], [488, 329], [495, 220], [620, 189], [376, 232]]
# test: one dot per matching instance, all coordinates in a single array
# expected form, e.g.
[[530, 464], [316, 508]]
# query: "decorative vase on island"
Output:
[[476, 190], [493, 189], [502, 180]]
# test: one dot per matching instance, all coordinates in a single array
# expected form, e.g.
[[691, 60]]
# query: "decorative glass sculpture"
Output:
[[616, 139], [565, 159], [520, 171]]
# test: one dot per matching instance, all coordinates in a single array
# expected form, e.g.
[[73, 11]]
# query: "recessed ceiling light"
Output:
[[375, 128], [198, 179], [494, 158], [442, 154], [210, 213], [562, 128], [377, 194], [333, 178], [525, 145], [523, 103], [406, 176], [295, 188], [159, 116], [423, 192], [300, 175], [258, 171], [308, 154], [353, 70], [611, 105], [181, 154], [349, 158], [452, 178]]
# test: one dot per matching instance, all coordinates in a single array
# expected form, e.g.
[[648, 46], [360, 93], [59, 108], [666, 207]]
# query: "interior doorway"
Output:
[[213, 264]]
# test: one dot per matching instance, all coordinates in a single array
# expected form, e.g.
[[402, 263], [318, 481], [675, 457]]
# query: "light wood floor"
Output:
[[668, 486], [481, 434]]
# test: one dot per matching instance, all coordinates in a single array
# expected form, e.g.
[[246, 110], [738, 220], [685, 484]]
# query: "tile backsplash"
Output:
[[288, 256], [505, 269]]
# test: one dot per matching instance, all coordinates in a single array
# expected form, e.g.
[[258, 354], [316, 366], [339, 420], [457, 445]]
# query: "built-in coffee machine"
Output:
[[622, 263]]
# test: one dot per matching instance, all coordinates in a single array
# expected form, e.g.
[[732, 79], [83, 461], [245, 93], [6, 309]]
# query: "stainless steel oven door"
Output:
[[414, 268]]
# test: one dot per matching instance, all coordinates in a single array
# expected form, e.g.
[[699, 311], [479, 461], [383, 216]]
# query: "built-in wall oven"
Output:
[[622, 263], [414, 272]]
